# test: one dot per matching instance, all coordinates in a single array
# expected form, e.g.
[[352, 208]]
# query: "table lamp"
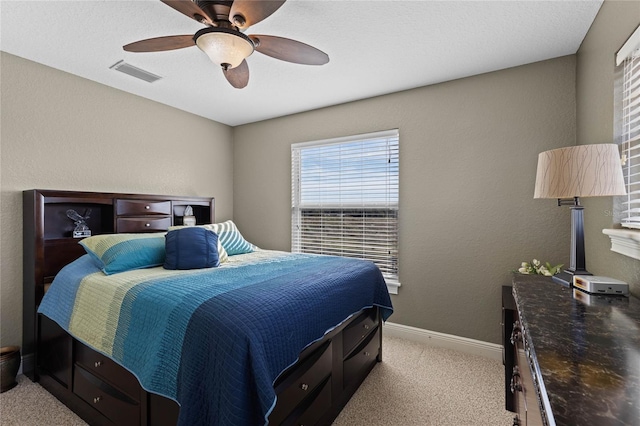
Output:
[[573, 172]]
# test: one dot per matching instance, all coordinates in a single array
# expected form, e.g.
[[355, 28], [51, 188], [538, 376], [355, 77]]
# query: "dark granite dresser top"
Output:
[[586, 351]]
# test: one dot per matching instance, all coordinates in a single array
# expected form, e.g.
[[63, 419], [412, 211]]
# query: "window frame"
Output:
[[350, 209], [628, 59], [625, 240]]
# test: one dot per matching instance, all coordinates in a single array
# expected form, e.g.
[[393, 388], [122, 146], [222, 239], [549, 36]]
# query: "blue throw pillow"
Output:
[[191, 248], [222, 254]]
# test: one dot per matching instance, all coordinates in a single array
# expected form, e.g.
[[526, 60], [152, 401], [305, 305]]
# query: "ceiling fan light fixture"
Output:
[[225, 47]]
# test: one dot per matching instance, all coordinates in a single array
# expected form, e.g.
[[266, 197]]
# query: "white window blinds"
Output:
[[631, 138], [345, 198]]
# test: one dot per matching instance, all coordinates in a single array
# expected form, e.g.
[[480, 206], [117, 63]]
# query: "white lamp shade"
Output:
[[224, 47], [580, 171]]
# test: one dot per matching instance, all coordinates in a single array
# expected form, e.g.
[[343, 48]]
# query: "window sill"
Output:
[[393, 286], [624, 241]]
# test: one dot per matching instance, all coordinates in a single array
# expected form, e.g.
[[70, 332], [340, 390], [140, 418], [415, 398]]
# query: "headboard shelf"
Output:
[[58, 225], [49, 244], [200, 211]]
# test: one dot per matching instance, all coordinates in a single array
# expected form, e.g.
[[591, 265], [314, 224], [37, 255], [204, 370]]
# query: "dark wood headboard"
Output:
[[48, 233]]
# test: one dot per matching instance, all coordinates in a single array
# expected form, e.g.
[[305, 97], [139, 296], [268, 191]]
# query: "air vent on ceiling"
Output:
[[136, 72]]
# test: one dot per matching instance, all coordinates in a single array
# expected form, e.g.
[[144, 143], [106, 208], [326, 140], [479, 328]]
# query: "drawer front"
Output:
[[143, 224], [142, 207], [302, 381], [358, 330], [318, 407], [113, 404], [108, 370], [363, 357]]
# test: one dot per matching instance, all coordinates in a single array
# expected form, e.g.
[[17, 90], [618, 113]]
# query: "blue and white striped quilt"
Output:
[[216, 339]]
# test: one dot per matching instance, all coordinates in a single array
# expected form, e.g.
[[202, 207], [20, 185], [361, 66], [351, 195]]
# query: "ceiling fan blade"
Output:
[[245, 13], [159, 44], [238, 76], [189, 8], [289, 50]]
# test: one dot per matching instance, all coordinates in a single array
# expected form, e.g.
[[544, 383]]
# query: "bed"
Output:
[[266, 337]]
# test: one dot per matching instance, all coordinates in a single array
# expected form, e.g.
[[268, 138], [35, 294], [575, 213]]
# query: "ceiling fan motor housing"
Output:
[[217, 10]]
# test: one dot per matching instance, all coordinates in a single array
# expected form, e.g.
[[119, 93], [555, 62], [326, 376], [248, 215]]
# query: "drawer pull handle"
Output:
[[97, 399], [366, 326], [515, 384], [147, 207], [516, 333], [97, 364], [147, 225], [304, 386]]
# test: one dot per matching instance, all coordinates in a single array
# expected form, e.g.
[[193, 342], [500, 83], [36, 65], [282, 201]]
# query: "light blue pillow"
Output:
[[115, 253]]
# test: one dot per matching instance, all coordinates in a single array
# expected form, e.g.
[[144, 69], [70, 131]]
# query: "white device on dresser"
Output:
[[600, 285]]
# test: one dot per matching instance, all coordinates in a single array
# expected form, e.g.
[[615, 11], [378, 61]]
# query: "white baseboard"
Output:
[[442, 340]]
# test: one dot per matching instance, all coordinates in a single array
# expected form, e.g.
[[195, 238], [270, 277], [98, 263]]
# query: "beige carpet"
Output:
[[414, 385]]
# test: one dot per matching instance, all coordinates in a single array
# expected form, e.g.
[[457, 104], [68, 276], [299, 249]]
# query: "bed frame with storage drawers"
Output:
[[312, 391]]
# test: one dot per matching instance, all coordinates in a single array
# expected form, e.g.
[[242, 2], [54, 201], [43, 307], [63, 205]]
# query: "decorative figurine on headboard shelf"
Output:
[[82, 230], [189, 219]]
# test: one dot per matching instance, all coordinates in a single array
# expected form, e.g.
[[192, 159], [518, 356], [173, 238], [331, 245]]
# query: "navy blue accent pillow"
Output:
[[191, 248]]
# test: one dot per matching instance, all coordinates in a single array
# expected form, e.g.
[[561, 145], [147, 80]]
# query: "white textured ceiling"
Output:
[[375, 47]]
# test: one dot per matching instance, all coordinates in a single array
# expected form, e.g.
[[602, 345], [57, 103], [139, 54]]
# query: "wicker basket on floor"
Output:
[[9, 366]]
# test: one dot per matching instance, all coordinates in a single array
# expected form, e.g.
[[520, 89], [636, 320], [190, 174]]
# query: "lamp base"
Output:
[[566, 277]]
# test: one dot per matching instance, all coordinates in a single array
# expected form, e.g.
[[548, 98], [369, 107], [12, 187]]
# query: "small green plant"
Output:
[[536, 267]]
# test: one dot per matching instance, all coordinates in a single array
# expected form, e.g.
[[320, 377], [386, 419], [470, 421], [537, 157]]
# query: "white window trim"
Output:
[[624, 241], [628, 47], [392, 284]]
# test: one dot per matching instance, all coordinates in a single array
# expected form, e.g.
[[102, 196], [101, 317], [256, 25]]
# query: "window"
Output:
[[345, 199], [630, 54]]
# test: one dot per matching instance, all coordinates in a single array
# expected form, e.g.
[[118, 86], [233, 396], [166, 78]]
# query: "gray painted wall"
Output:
[[60, 131], [595, 79], [468, 155]]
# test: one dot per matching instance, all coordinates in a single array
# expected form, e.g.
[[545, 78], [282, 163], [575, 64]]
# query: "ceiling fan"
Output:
[[223, 40]]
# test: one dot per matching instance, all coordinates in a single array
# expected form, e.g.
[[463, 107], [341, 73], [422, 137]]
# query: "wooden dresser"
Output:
[[575, 358]]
